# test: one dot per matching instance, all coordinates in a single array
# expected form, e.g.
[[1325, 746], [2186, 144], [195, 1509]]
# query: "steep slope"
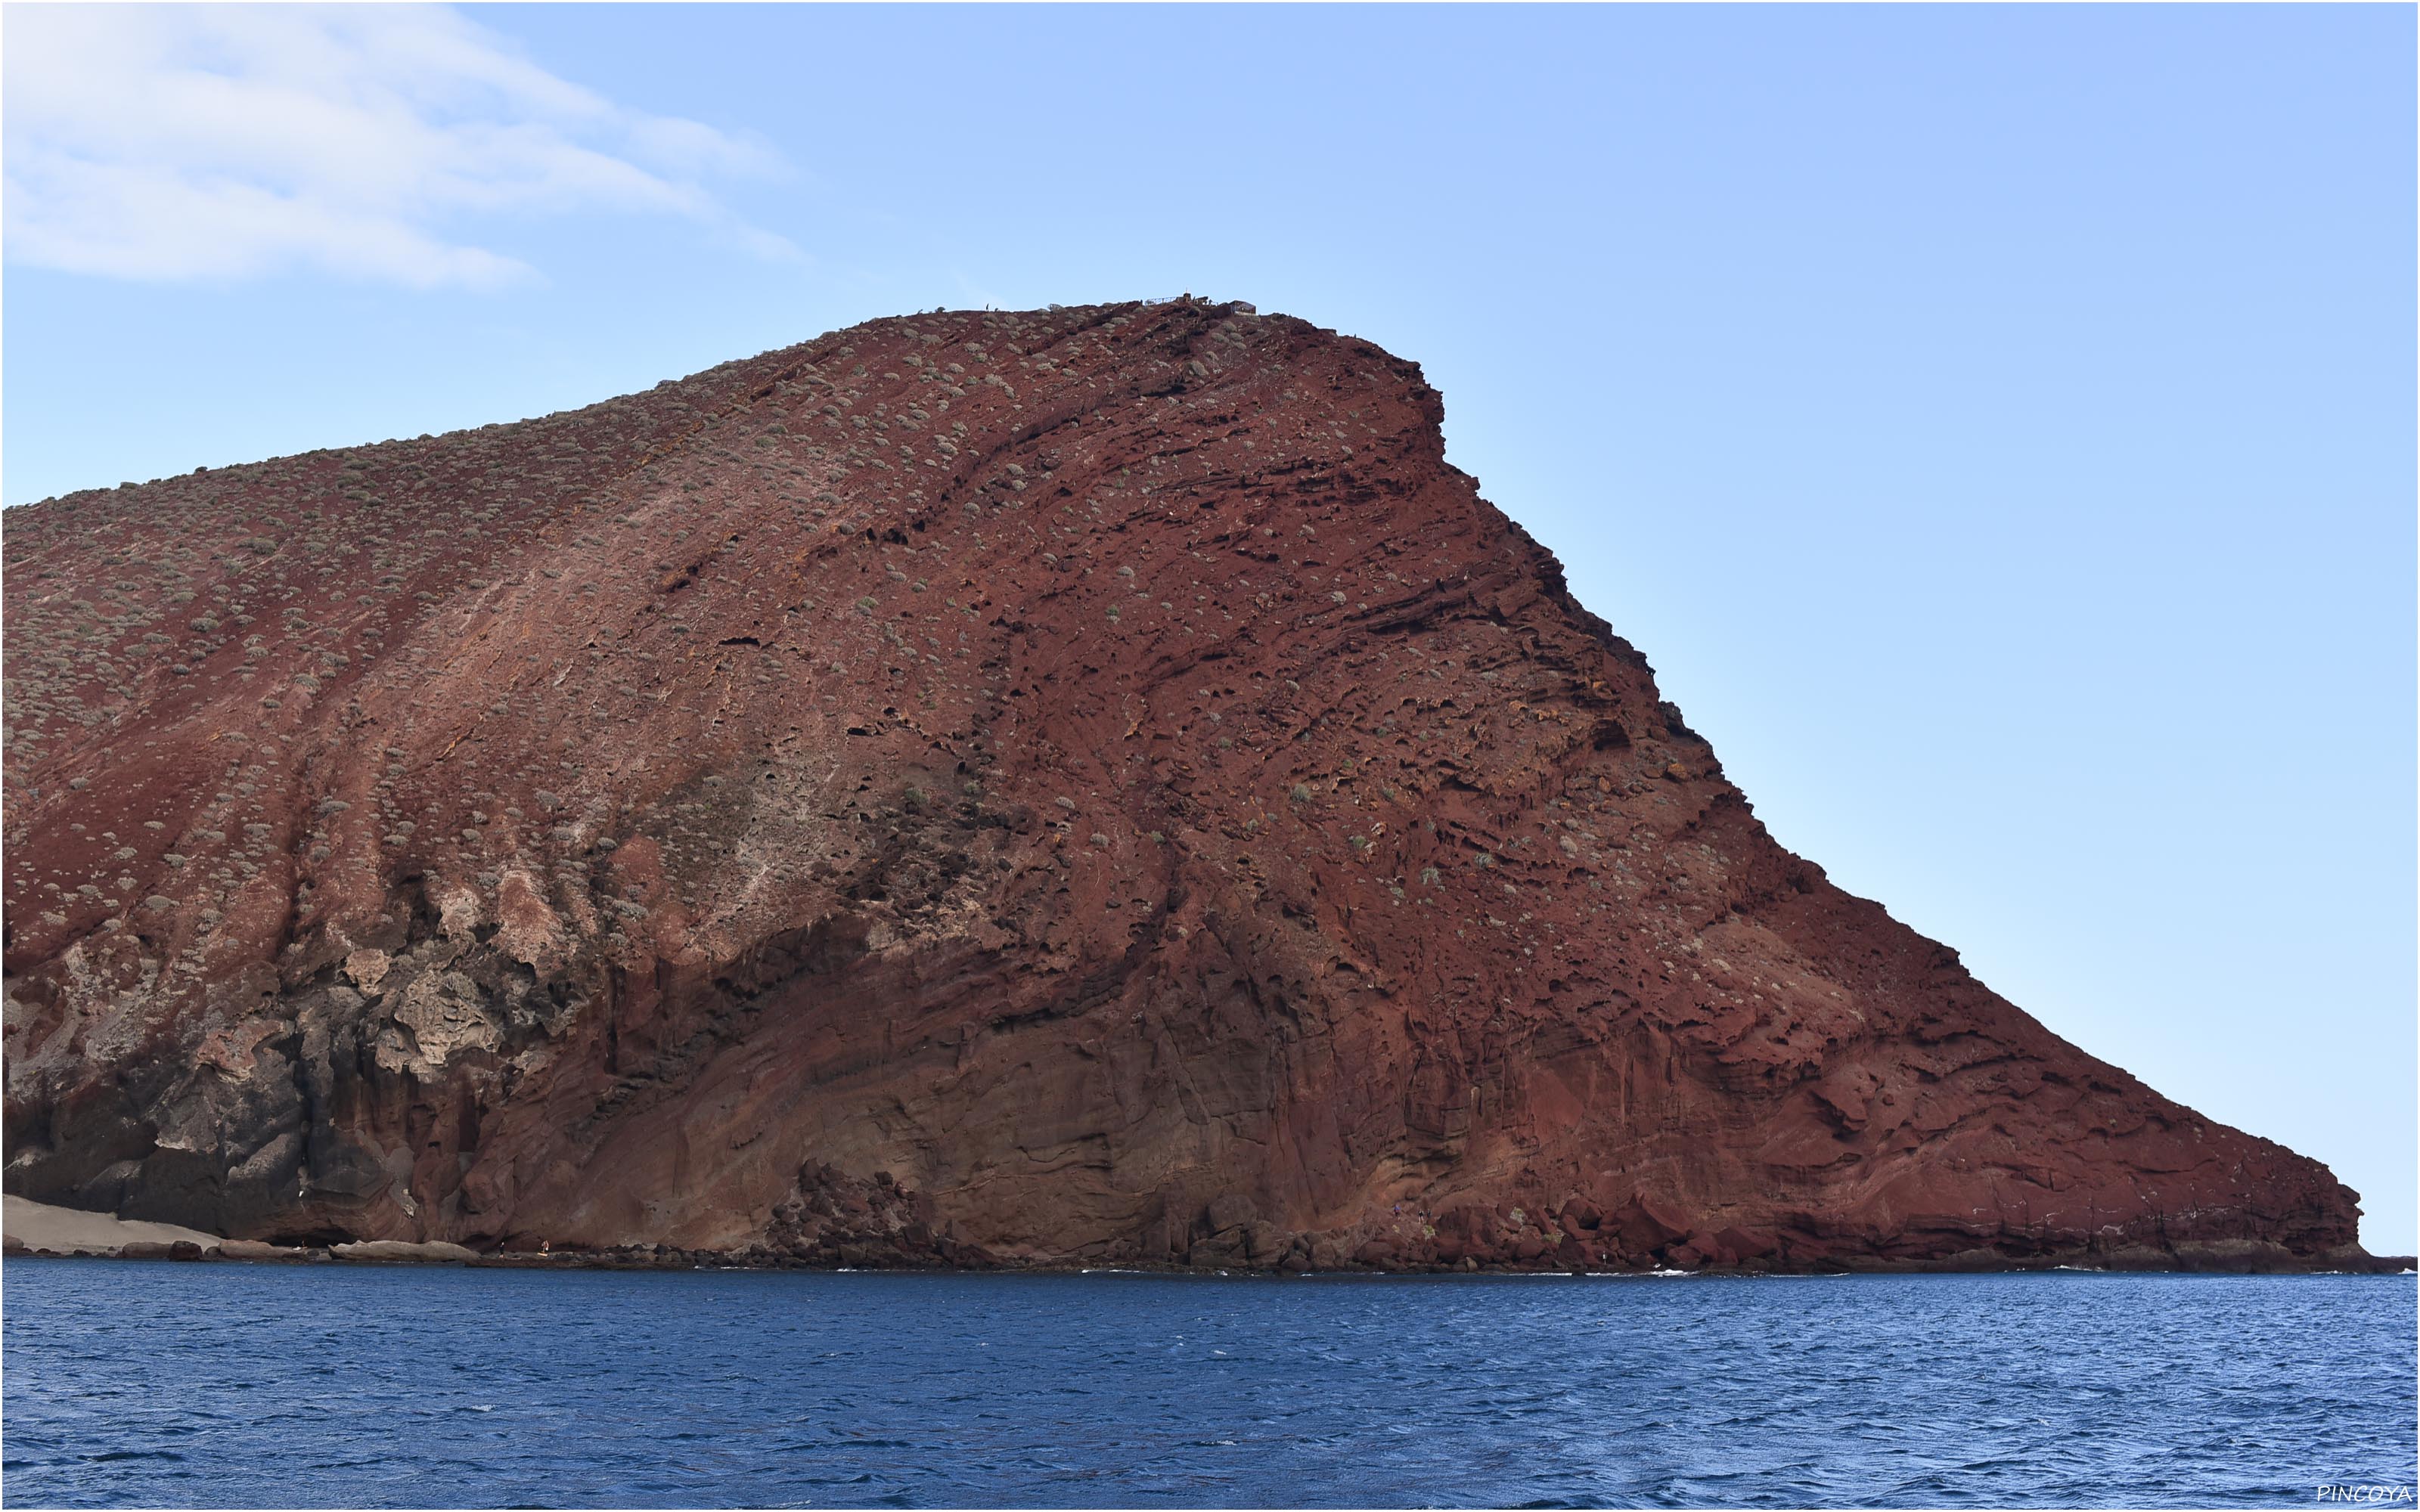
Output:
[[1080, 786]]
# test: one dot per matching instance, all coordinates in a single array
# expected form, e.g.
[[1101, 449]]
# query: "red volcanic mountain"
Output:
[[1074, 787]]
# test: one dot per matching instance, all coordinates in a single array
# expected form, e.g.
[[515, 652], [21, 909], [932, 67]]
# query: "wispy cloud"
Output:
[[204, 142]]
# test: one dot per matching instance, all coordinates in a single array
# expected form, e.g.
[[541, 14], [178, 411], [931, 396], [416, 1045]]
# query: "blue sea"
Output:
[[165, 1384]]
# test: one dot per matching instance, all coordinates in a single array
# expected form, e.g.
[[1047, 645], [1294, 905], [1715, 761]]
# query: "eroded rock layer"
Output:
[[1082, 787]]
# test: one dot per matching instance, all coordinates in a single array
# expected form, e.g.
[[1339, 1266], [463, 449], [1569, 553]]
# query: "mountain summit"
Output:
[[1080, 787]]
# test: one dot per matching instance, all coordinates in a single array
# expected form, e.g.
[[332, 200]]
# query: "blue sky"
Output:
[[1996, 424]]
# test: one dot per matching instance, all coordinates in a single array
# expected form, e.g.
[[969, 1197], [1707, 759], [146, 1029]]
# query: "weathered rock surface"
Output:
[[395, 1250], [1083, 787]]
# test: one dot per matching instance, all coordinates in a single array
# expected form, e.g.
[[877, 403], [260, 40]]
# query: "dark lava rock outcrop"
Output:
[[1089, 787]]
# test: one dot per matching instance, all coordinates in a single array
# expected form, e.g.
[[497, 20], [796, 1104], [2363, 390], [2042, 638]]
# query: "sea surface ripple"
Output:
[[165, 1384]]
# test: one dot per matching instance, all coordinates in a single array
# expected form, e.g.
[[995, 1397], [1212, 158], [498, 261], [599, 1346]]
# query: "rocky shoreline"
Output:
[[2240, 1258], [394, 1251]]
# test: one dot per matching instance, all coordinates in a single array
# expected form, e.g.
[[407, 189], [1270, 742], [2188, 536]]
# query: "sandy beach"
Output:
[[72, 1231]]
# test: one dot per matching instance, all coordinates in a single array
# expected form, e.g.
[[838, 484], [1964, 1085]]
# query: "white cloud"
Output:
[[205, 142]]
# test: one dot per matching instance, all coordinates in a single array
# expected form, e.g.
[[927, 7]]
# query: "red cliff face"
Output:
[[1082, 787]]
